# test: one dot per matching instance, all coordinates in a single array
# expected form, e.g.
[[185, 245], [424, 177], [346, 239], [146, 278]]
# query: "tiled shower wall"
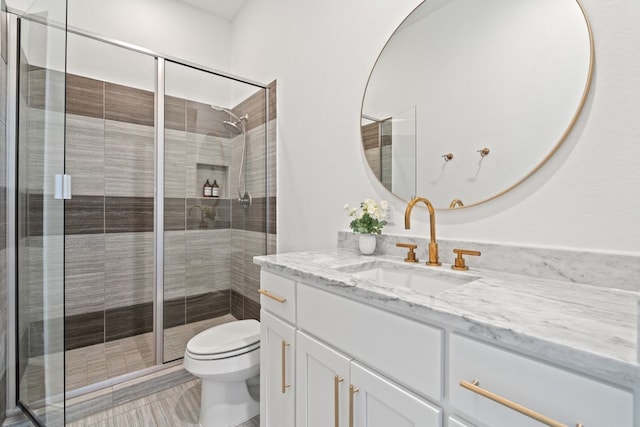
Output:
[[249, 226], [3, 239], [378, 157], [109, 221]]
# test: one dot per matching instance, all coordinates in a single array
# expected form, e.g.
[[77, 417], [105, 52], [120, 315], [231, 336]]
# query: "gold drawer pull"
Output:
[[284, 367], [336, 396], [266, 293], [352, 391], [473, 386]]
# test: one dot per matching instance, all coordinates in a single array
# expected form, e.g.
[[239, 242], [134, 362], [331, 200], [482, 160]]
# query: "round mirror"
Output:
[[469, 98]]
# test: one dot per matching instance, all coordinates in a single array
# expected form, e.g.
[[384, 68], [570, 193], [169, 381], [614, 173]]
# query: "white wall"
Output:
[[321, 53], [164, 26]]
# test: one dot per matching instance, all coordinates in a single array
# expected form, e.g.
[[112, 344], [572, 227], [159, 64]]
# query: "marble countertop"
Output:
[[588, 328]]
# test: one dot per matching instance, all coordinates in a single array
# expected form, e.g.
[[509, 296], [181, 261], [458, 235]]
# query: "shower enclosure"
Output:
[[117, 271]]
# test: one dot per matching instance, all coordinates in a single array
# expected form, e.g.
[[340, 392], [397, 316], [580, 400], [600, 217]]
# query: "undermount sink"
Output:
[[428, 280]]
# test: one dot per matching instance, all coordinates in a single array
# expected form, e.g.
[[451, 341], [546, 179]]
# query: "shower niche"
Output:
[[212, 173]]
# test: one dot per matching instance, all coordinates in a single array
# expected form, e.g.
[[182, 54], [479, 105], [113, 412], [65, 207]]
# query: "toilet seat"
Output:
[[226, 340]]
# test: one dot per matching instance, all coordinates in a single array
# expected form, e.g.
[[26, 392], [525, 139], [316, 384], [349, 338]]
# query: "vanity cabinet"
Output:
[[277, 351], [334, 390], [555, 393], [332, 361]]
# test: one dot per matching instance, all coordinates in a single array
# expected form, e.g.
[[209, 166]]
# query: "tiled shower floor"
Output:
[[92, 364]]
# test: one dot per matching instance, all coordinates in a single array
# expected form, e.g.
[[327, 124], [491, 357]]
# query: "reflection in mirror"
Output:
[[508, 75], [390, 148]]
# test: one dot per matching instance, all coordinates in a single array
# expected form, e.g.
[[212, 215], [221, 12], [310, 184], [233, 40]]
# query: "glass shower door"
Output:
[[40, 231], [214, 202]]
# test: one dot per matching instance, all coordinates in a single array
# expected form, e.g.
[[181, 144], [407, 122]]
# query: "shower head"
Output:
[[225, 110], [231, 113], [234, 127]]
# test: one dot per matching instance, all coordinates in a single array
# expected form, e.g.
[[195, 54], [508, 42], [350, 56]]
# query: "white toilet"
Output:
[[227, 359]]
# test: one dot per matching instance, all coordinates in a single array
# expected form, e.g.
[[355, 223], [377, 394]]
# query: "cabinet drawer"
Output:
[[454, 422], [277, 295], [553, 392], [405, 350]]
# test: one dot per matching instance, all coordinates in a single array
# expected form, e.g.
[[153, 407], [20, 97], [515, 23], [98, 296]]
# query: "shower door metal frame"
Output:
[[158, 295], [14, 34], [12, 209]]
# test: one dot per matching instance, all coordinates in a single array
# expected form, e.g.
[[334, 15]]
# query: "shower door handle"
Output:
[[62, 187]]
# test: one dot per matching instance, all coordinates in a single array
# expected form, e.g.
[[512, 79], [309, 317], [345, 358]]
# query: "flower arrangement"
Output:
[[369, 218]]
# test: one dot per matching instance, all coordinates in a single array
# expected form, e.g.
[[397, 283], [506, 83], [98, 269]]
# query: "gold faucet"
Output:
[[433, 246]]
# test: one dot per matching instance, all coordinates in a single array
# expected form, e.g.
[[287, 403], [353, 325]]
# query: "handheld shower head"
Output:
[[234, 127], [225, 110]]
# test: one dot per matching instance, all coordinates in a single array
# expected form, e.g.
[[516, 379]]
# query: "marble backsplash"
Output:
[[611, 270]]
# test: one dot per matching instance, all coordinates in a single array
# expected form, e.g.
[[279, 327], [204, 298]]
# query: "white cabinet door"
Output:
[[376, 402], [322, 384], [277, 358]]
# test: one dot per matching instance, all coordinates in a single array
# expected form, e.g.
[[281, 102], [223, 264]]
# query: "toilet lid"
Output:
[[225, 338]]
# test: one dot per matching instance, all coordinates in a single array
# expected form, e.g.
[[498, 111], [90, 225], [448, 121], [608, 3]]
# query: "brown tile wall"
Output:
[[370, 136], [96, 327]]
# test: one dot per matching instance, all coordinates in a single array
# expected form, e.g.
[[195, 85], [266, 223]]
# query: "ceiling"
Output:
[[225, 9]]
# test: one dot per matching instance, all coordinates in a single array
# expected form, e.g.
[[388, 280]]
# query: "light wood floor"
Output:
[[175, 407]]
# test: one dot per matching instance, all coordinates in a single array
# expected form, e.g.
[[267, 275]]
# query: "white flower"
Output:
[[346, 207], [369, 217]]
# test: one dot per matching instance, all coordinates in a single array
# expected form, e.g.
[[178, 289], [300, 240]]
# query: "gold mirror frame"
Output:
[[456, 203]]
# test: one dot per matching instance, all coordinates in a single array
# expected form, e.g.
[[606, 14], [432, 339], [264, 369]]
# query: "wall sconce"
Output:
[[484, 152], [447, 156]]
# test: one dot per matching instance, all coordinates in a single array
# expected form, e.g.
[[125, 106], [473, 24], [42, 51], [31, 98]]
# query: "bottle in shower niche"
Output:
[[206, 189], [215, 189]]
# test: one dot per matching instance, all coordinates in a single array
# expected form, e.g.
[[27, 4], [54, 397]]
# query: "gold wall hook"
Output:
[[484, 152], [456, 202], [447, 156]]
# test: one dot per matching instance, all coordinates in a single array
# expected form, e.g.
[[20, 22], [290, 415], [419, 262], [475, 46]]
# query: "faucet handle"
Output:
[[411, 255], [459, 261]]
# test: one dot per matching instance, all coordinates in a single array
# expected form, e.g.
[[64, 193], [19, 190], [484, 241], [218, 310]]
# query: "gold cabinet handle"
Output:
[[336, 399], [352, 391], [474, 387], [284, 367], [266, 293]]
